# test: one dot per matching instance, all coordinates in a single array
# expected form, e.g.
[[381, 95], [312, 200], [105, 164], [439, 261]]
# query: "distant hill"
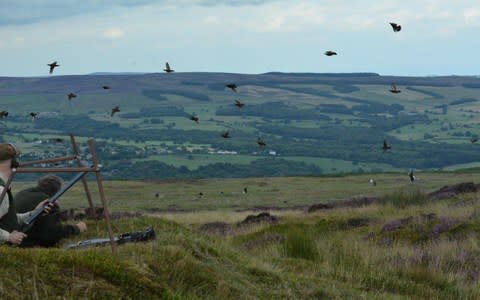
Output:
[[311, 123]]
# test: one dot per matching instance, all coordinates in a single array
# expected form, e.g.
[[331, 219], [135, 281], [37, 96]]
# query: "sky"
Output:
[[438, 37]]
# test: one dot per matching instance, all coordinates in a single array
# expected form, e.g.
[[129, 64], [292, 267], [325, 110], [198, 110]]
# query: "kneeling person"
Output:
[[48, 229]]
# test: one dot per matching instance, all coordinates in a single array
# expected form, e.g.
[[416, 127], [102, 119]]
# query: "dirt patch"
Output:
[[263, 217], [449, 191], [352, 202]]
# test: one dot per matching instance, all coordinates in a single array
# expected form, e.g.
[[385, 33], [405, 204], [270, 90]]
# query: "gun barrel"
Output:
[[37, 212]]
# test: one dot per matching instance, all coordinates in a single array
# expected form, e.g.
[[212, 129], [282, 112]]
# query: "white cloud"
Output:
[[113, 33], [212, 20]]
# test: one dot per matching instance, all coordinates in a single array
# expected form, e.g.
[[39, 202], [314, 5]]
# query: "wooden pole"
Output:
[[47, 160], [56, 170], [84, 181], [91, 144]]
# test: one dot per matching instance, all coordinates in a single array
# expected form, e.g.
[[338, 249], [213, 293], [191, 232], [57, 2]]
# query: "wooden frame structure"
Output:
[[25, 167]]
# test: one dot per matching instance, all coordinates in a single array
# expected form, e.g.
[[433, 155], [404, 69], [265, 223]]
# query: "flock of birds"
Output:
[[233, 87]]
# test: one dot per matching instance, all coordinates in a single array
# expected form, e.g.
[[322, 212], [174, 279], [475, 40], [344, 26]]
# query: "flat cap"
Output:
[[8, 151]]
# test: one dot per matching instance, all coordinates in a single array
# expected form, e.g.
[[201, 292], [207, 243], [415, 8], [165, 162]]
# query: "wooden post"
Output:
[[47, 160], [84, 181], [91, 144]]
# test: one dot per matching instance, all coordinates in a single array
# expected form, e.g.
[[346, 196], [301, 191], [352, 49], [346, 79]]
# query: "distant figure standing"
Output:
[[411, 176]]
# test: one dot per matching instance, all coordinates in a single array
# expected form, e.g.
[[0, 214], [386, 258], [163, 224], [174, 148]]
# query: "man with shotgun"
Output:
[[10, 221], [48, 229]]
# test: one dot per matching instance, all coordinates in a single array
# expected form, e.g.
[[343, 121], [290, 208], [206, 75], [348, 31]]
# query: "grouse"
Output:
[[168, 69], [194, 118], [3, 114], [226, 135], [71, 96], [53, 66], [372, 182], [33, 115], [386, 147], [115, 110], [105, 87], [232, 86], [330, 53], [239, 104], [396, 27], [393, 89], [261, 143], [473, 140]]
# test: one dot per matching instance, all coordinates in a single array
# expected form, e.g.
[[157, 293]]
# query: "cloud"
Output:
[[33, 11], [113, 33]]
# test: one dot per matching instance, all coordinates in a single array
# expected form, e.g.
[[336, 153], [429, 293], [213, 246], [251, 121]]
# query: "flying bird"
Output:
[[411, 176], [226, 135], [168, 69], [58, 140], [71, 96], [239, 104], [385, 146], [105, 87], [393, 89], [3, 114], [53, 66], [396, 27], [330, 53], [33, 115], [261, 143], [115, 110], [232, 86], [194, 118], [473, 140]]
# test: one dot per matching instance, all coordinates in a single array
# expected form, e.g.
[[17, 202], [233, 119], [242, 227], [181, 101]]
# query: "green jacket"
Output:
[[47, 230], [9, 221]]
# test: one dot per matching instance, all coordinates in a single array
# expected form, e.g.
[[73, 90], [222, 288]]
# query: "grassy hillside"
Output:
[[311, 123], [408, 247]]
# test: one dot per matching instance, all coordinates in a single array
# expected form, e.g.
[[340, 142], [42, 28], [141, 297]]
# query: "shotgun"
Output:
[[129, 237], [28, 222]]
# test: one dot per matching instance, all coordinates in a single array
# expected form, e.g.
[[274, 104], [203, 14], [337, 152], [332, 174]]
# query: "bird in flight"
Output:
[[473, 140], [393, 89], [239, 104], [194, 118], [385, 146], [411, 176], [58, 140], [261, 143], [3, 114], [71, 96], [396, 27], [330, 53], [106, 87], [226, 135], [232, 86], [168, 69], [33, 115], [115, 110], [53, 66]]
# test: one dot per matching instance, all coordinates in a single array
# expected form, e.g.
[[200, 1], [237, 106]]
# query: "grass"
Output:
[[332, 254]]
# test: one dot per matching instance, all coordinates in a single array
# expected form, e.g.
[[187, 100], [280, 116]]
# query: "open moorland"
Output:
[[322, 239]]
